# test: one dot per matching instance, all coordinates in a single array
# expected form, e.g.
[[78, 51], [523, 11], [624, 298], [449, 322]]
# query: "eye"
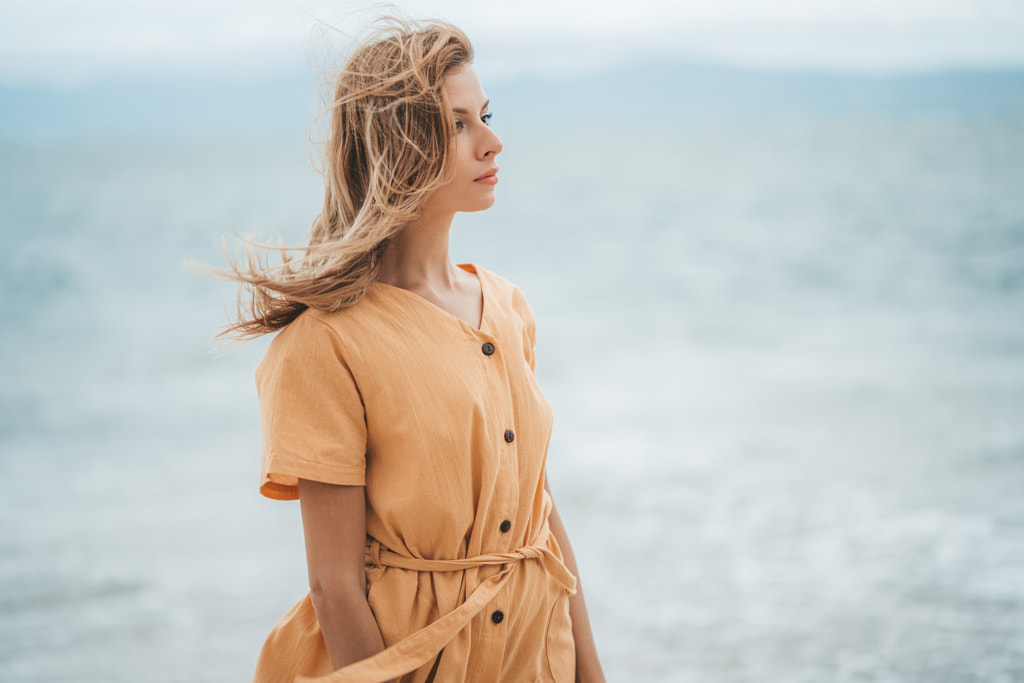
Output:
[[458, 125], [486, 118]]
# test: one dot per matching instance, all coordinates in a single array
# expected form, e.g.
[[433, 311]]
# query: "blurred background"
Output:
[[776, 253]]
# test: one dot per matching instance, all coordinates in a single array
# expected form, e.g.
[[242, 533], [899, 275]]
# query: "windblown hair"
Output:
[[391, 133]]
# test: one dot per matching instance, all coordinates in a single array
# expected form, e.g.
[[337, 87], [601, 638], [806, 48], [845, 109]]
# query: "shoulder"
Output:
[[346, 327], [319, 337], [307, 339], [311, 327], [508, 295]]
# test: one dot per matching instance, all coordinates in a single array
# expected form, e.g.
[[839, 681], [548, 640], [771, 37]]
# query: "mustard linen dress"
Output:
[[445, 426]]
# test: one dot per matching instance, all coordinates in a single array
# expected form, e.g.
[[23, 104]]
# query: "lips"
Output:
[[489, 178]]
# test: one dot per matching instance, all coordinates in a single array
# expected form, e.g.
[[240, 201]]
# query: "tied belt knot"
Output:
[[422, 646], [379, 556]]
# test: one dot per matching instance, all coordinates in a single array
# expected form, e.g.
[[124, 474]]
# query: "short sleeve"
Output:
[[311, 414]]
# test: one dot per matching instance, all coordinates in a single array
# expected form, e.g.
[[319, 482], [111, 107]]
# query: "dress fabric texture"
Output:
[[446, 427]]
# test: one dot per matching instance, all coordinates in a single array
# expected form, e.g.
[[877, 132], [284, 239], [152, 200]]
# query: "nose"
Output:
[[491, 145]]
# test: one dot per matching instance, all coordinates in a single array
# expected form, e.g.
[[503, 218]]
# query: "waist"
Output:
[[379, 556]]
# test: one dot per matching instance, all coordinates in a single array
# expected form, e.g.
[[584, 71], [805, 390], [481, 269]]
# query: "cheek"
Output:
[[463, 157], [456, 192], [451, 195]]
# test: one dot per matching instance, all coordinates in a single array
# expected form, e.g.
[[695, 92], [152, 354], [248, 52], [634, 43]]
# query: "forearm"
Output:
[[334, 524], [588, 666], [347, 623]]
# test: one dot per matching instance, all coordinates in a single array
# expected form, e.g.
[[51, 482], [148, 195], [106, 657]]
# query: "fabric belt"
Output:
[[420, 647]]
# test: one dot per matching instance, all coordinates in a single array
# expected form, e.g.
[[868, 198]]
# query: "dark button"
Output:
[[487, 348], [498, 616], [510, 436], [506, 526]]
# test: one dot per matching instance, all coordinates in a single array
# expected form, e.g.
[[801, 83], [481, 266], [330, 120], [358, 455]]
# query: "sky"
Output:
[[69, 42]]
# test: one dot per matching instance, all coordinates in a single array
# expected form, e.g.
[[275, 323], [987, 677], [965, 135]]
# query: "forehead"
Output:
[[464, 90]]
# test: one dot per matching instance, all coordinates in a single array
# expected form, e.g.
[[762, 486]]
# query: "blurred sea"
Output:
[[786, 359]]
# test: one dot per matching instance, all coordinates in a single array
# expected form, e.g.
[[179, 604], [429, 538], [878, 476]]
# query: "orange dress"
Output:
[[445, 426]]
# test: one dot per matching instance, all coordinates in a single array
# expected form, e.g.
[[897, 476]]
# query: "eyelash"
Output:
[[486, 118]]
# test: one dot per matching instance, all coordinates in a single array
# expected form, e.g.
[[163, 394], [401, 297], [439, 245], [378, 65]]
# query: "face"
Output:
[[476, 146]]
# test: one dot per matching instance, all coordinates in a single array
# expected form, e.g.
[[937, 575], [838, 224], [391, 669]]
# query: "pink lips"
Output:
[[489, 178]]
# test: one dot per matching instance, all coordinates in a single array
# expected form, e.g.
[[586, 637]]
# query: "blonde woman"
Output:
[[399, 405]]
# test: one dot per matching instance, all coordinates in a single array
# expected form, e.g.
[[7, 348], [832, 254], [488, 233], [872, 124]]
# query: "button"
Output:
[[506, 526], [510, 436], [487, 348], [498, 616]]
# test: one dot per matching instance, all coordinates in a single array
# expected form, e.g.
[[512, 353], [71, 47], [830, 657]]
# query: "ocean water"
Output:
[[786, 360]]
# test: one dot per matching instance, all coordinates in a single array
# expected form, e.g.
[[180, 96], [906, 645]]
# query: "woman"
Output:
[[399, 403]]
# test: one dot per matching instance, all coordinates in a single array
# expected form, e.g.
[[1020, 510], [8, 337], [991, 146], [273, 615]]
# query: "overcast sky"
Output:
[[61, 42]]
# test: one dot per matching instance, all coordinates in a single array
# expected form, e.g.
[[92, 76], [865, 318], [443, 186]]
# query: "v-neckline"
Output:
[[469, 268]]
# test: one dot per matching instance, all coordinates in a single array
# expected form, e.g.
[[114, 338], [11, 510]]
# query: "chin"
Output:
[[482, 205]]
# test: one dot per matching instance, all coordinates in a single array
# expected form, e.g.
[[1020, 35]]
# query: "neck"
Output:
[[418, 256]]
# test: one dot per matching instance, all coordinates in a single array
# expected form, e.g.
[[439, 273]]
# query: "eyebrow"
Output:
[[459, 110]]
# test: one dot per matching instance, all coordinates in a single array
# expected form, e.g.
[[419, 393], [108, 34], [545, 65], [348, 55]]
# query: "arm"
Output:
[[334, 526], [588, 668]]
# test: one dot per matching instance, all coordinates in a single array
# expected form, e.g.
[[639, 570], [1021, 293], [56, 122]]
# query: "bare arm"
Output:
[[588, 667], [334, 525]]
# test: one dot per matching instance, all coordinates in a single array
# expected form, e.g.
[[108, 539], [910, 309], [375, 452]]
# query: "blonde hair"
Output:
[[391, 133]]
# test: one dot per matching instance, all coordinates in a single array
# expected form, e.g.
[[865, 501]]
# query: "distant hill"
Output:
[[686, 91], [198, 107], [170, 108]]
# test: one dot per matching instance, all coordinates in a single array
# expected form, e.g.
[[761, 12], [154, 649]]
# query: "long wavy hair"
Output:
[[392, 132]]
